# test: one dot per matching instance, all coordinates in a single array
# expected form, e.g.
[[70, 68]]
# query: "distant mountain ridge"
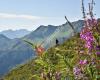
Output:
[[16, 51], [15, 33]]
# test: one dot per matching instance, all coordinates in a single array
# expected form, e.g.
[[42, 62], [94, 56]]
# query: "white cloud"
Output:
[[15, 27], [30, 22], [11, 16]]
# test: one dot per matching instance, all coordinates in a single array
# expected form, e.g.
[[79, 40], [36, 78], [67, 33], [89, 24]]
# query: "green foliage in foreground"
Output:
[[61, 58], [52, 59]]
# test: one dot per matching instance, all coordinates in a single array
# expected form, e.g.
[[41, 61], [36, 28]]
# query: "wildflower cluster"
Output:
[[83, 62], [98, 50], [90, 64], [88, 38]]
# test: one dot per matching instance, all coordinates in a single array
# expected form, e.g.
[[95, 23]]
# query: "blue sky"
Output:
[[29, 14]]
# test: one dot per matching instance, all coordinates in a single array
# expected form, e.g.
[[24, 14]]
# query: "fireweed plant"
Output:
[[79, 63], [88, 66]]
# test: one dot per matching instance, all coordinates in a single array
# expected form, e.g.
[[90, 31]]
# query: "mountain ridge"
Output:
[[15, 33], [16, 51]]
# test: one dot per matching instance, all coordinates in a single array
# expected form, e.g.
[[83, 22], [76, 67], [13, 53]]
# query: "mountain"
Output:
[[33, 68], [48, 34], [15, 51], [11, 55], [4, 41], [41, 33], [15, 34]]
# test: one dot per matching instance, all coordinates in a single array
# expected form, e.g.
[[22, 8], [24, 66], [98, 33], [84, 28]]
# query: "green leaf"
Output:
[[30, 43]]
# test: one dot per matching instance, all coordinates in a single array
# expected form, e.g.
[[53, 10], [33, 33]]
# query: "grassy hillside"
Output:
[[58, 63], [17, 51], [33, 67]]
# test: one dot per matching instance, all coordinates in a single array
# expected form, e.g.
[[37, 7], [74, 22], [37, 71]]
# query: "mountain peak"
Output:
[[3, 36], [15, 33]]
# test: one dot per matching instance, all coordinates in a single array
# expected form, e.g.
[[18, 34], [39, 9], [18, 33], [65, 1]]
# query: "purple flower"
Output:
[[98, 47], [98, 53], [83, 62], [82, 35], [93, 61], [88, 38], [76, 71], [89, 45], [91, 22], [94, 22]]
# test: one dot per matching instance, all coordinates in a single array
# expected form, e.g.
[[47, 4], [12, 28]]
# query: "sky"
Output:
[[30, 14]]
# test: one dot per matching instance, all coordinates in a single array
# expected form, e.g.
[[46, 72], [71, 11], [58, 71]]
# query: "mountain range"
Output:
[[15, 51], [15, 33]]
